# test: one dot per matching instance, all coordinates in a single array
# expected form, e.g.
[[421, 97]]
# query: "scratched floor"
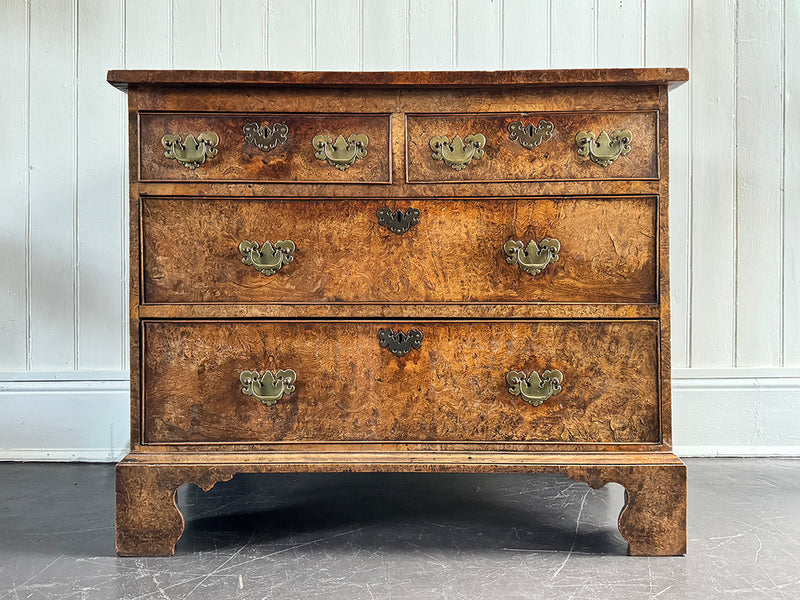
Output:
[[402, 536]]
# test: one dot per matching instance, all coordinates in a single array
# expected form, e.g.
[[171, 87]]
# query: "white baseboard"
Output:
[[701, 451], [83, 415], [89, 455], [736, 412], [64, 415]]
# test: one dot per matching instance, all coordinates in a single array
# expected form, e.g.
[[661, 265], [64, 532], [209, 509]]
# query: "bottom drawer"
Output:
[[351, 385]]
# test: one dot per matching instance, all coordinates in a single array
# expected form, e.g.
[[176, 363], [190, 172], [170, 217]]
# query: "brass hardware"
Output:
[[534, 389], [535, 257], [269, 388], [529, 136], [264, 138], [340, 154], [398, 221], [458, 153], [191, 153], [267, 259], [399, 343], [607, 148]]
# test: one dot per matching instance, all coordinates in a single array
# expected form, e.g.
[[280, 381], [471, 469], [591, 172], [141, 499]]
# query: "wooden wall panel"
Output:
[[759, 153], [14, 186], [101, 191], [526, 34], [243, 34], [430, 35], [791, 189], [713, 176], [195, 34], [620, 33], [478, 39], [573, 27], [148, 34], [53, 162], [290, 39], [384, 35], [337, 37]]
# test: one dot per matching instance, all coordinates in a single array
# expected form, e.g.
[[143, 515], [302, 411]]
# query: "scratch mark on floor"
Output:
[[574, 539], [31, 578]]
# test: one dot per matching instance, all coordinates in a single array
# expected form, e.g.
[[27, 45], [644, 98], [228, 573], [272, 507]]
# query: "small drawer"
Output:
[[292, 148], [531, 146], [251, 382], [594, 250]]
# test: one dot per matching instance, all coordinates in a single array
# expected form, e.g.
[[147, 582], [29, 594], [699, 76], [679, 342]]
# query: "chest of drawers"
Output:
[[443, 272]]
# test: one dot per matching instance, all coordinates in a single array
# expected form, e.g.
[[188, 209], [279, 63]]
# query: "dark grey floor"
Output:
[[402, 536]]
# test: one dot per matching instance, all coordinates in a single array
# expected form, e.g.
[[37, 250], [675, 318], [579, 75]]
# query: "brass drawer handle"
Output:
[[535, 257], [534, 389], [607, 148], [340, 153], [398, 221], [269, 388], [458, 153], [268, 259], [265, 139], [191, 153], [400, 343], [529, 136]]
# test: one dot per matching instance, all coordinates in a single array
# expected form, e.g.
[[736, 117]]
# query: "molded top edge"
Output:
[[122, 79]]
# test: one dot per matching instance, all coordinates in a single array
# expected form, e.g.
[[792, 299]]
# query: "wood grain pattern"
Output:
[[557, 158], [400, 310], [349, 389], [418, 100], [400, 189], [414, 79], [665, 298], [238, 160], [653, 518], [455, 253]]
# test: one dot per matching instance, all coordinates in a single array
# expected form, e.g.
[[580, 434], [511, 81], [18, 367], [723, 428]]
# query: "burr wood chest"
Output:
[[441, 272]]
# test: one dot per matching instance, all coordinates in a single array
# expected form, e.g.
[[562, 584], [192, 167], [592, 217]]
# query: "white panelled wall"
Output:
[[735, 195]]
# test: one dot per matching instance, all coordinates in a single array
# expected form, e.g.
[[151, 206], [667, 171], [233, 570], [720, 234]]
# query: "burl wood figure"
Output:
[[439, 272]]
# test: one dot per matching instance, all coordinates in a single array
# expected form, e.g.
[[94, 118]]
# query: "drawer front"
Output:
[[265, 148], [503, 147], [453, 387], [457, 252]]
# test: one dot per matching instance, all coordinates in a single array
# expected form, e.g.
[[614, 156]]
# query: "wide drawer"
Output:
[[459, 251], [453, 386], [300, 148], [532, 146]]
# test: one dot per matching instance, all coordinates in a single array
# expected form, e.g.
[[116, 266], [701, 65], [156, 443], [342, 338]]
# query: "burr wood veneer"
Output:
[[442, 272]]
